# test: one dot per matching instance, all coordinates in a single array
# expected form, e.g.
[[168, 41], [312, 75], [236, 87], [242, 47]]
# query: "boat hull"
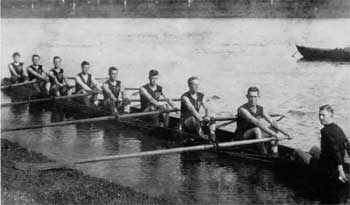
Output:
[[337, 54]]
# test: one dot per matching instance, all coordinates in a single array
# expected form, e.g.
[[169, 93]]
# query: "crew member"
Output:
[[36, 72], [17, 71], [113, 93], [86, 83], [250, 125], [150, 96], [191, 120]]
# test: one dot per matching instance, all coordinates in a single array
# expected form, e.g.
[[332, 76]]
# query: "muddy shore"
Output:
[[58, 186]]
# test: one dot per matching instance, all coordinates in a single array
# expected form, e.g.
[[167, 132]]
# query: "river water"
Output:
[[228, 55]]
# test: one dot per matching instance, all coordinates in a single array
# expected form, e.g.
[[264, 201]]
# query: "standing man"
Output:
[[249, 125], [113, 93], [58, 83], [18, 73], [328, 162], [36, 72], [86, 83], [191, 102], [150, 95]]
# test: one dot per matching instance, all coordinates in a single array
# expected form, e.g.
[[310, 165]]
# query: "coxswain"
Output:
[[191, 120], [17, 71], [58, 83], [113, 93], [327, 161], [251, 126], [36, 72], [150, 96], [86, 83]]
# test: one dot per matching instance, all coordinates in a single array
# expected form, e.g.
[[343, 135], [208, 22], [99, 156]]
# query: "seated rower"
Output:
[[328, 161], [86, 83], [113, 93], [191, 120], [18, 73], [250, 126], [36, 72], [57, 82], [150, 95]]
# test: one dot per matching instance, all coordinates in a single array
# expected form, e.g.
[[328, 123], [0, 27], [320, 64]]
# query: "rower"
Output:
[[36, 72], [18, 73], [86, 83], [113, 93], [150, 95], [191, 120], [250, 126], [328, 161], [58, 83]]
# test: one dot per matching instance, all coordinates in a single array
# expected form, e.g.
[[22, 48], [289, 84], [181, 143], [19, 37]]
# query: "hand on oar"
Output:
[[60, 165]]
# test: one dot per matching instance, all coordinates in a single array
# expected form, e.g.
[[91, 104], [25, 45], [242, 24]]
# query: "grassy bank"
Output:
[[58, 186]]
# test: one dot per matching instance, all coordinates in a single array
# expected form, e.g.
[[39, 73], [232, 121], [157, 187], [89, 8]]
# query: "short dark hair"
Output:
[[35, 55], [153, 73], [253, 89], [328, 108], [112, 68], [84, 63], [15, 54], [56, 57], [192, 79]]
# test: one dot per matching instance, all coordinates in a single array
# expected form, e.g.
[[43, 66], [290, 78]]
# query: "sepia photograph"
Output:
[[185, 102]]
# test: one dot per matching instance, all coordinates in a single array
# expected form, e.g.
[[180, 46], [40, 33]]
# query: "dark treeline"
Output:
[[176, 8]]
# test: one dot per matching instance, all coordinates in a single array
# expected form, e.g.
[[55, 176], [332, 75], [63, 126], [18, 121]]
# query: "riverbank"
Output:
[[58, 186]]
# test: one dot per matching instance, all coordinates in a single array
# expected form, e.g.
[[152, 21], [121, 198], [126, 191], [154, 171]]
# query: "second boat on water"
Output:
[[337, 54]]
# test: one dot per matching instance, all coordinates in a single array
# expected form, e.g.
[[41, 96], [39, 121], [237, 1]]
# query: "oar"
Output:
[[96, 119], [73, 78], [45, 99], [161, 100], [235, 118], [59, 165], [18, 84]]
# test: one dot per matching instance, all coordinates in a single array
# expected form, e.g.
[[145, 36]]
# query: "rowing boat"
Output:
[[337, 54], [283, 163], [19, 91]]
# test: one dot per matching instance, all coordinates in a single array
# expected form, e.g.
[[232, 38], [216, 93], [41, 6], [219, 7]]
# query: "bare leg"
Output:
[[255, 133]]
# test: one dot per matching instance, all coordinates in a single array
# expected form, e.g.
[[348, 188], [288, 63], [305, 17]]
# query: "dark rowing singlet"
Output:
[[242, 124], [58, 75], [39, 70], [155, 94], [88, 82], [18, 68], [185, 112], [115, 89]]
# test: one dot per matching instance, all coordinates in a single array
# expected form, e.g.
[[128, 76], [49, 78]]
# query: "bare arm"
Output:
[[109, 92], [30, 70], [54, 77], [13, 71], [189, 105], [168, 100], [273, 123], [249, 117], [153, 101], [95, 83], [81, 83]]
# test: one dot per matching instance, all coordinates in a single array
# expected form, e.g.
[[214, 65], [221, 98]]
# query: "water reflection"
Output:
[[176, 8]]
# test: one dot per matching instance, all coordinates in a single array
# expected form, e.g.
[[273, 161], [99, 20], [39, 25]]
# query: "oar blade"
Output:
[[33, 167]]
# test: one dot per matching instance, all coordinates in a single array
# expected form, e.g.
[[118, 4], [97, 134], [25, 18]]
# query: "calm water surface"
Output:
[[227, 54]]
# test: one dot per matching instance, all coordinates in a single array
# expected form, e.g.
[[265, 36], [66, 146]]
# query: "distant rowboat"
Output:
[[337, 54]]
